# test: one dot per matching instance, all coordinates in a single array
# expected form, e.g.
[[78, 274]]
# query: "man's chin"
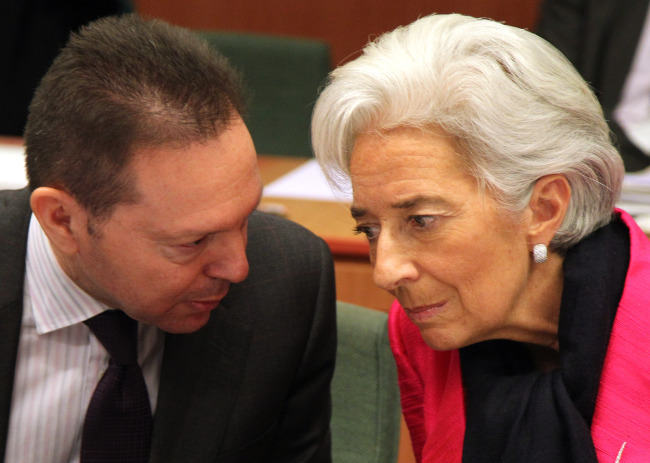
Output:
[[185, 325]]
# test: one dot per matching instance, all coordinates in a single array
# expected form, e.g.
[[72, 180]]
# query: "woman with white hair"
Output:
[[485, 180]]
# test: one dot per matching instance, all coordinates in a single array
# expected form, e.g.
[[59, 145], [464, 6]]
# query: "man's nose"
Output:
[[227, 258]]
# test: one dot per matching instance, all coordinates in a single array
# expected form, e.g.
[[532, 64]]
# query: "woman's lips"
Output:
[[424, 313]]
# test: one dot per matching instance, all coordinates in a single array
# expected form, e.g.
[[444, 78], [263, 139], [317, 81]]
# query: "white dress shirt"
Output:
[[633, 110], [60, 362]]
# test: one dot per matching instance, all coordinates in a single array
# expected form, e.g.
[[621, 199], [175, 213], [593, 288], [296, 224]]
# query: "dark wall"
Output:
[[345, 24]]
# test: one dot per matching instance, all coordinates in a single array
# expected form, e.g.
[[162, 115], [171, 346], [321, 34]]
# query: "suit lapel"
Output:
[[10, 318], [199, 382], [14, 223]]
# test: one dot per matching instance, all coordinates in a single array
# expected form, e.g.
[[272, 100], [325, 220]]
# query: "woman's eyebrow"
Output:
[[357, 212], [409, 203], [418, 201]]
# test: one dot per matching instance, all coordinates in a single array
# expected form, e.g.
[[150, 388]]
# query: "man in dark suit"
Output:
[[143, 184], [600, 38]]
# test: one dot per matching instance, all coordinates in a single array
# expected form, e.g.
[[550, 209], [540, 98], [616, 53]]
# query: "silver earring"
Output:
[[540, 253]]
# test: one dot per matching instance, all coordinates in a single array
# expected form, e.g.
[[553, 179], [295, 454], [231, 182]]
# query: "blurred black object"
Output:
[[600, 38], [31, 34]]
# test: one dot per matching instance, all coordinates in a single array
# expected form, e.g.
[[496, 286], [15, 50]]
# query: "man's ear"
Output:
[[61, 217], [548, 205]]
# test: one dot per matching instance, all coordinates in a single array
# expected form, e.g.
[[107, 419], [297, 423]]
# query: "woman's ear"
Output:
[[60, 217], [548, 205]]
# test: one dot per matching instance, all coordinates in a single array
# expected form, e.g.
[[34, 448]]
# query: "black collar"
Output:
[[515, 413]]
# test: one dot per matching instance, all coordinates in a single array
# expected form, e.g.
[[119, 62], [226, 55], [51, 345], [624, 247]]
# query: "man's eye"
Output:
[[193, 244]]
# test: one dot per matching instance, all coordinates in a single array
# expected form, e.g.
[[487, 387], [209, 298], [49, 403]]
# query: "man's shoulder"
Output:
[[281, 250], [14, 199], [260, 221], [14, 211], [14, 223], [270, 231]]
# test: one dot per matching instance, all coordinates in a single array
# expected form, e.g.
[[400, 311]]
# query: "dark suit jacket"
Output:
[[253, 384], [599, 37]]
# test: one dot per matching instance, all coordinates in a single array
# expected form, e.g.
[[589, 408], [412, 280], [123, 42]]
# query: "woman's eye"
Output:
[[370, 232], [422, 221]]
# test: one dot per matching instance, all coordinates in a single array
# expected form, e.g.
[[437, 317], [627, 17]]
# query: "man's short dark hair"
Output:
[[119, 85]]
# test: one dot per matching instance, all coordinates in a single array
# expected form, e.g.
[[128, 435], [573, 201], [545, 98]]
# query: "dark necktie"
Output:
[[117, 427]]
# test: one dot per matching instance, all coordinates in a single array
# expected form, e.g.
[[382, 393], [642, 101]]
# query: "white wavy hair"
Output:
[[515, 106]]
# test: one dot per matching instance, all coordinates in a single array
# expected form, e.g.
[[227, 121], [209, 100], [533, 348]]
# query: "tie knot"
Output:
[[118, 333]]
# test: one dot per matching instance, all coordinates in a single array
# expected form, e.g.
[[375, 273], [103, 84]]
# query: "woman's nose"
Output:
[[393, 264]]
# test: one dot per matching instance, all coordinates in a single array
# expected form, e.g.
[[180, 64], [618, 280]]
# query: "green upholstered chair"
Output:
[[282, 76], [365, 397]]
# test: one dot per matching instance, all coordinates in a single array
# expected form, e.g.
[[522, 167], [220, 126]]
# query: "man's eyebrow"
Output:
[[181, 234], [188, 233]]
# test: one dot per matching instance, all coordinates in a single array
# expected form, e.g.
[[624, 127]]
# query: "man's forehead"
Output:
[[198, 188]]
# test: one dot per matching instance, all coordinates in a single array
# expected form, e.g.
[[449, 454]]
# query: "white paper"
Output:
[[637, 182], [635, 197], [639, 134], [12, 167], [306, 182]]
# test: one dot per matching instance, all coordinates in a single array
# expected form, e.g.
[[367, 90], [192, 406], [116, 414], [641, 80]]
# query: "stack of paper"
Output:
[[12, 167], [306, 182], [635, 197]]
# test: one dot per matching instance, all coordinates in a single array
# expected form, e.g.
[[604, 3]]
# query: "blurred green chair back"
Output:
[[282, 77], [365, 396]]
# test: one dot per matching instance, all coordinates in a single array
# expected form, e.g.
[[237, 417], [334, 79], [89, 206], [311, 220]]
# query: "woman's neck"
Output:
[[538, 316]]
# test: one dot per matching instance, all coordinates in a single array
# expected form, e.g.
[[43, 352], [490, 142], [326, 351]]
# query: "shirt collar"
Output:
[[57, 302]]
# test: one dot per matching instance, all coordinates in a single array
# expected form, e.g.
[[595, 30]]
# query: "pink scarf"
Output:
[[435, 414]]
